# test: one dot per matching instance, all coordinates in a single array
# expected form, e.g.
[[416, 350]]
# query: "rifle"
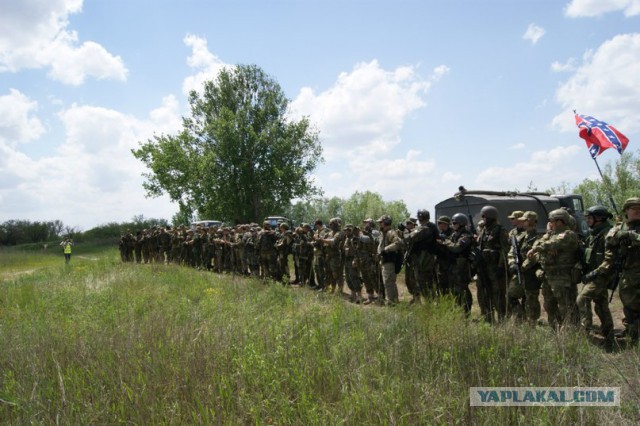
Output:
[[516, 255]]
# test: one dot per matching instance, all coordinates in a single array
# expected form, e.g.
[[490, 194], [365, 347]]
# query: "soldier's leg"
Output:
[[601, 302], [515, 298], [583, 301], [410, 280], [389, 281], [484, 299], [532, 305], [550, 305]]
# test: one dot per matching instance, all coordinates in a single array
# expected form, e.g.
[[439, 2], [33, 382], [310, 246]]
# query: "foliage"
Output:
[[115, 230], [621, 181], [355, 209], [238, 158], [100, 342], [13, 232]]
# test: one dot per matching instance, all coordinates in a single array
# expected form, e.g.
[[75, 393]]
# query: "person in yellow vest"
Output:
[[66, 246]]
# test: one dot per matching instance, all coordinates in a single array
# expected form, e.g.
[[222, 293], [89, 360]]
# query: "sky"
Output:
[[411, 98]]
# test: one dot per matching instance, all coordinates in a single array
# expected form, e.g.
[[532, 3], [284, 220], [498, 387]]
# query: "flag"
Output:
[[599, 135]]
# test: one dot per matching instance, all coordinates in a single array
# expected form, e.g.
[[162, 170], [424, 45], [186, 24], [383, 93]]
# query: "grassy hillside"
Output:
[[103, 342]]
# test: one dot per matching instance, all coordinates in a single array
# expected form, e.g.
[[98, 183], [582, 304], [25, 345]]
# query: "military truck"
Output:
[[275, 221], [471, 202]]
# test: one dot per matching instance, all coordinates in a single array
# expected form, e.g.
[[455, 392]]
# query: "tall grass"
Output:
[[103, 342]]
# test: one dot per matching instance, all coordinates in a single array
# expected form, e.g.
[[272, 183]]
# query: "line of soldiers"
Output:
[[511, 268]]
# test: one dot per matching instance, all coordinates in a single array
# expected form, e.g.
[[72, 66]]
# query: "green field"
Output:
[[100, 342]]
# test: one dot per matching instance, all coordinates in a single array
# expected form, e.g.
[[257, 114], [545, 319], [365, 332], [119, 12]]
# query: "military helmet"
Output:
[[385, 219], [560, 214], [334, 221], [489, 212], [444, 219], [423, 214], [460, 218], [284, 225], [633, 201], [598, 212]]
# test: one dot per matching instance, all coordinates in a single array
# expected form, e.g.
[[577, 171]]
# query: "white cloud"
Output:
[[92, 174], [545, 168], [569, 65], [591, 8], [35, 34], [534, 33], [451, 177], [17, 122], [606, 85], [208, 64], [517, 146], [366, 108]]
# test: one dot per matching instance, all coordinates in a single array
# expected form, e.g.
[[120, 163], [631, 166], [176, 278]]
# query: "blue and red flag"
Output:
[[599, 135]]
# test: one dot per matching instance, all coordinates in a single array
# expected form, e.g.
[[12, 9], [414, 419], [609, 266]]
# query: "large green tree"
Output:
[[621, 180], [238, 157], [359, 206]]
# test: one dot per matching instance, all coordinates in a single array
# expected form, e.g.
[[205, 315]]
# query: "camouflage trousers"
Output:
[[389, 281], [523, 302], [424, 270], [597, 293], [334, 275], [492, 289], [459, 279], [352, 277], [560, 300], [630, 297], [367, 269], [268, 268], [319, 269]]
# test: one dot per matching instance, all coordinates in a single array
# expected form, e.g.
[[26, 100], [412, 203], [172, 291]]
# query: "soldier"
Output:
[[442, 256], [459, 245], [334, 242], [493, 244], [421, 246], [515, 287], [283, 247], [622, 259], [523, 293], [595, 289], [304, 248], [389, 252], [365, 260], [137, 246], [354, 282], [557, 253], [267, 251], [319, 260], [410, 261]]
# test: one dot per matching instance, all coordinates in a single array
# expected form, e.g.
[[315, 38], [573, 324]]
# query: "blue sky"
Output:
[[411, 98]]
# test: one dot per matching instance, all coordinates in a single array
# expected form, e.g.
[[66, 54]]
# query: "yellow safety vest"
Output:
[[67, 248]]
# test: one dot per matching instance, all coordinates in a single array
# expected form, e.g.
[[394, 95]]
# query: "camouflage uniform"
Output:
[[493, 244], [443, 258], [421, 243], [557, 253], [334, 243], [284, 247], [389, 249], [622, 255], [595, 289], [267, 252], [525, 294], [319, 258], [458, 246], [351, 274], [365, 260]]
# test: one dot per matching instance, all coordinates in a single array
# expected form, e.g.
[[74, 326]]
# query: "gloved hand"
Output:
[[587, 278]]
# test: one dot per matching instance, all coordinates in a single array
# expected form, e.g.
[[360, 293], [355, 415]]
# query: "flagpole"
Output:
[[613, 203]]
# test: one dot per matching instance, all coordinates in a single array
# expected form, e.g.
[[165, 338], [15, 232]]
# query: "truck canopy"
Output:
[[471, 202]]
